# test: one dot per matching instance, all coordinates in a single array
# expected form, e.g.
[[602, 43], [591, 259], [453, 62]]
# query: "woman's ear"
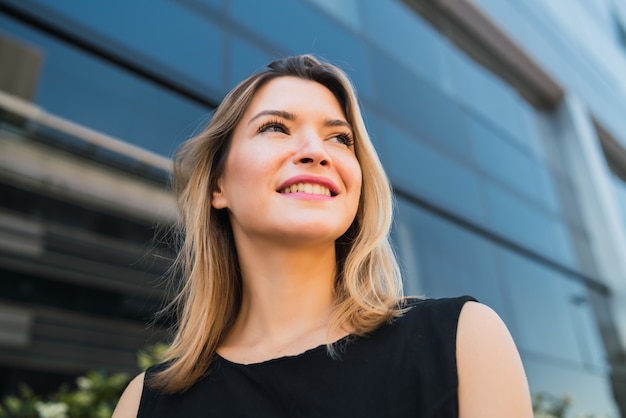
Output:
[[218, 199]]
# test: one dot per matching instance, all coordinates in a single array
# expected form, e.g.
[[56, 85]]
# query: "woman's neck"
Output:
[[287, 302]]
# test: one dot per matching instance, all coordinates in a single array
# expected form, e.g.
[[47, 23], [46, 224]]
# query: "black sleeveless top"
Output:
[[406, 368]]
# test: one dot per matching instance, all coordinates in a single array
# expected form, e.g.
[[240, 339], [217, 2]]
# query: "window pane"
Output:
[[299, 27], [590, 392], [486, 94], [586, 326], [530, 135], [160, 41], [448, 259], [531, 227], [620, 193], [417, 169], [214, 4], [403, 34], [503, 161], [90, 92], [245, 59], [547, 191], [374, 129], [540, 299], [345, 10], [419, 106]]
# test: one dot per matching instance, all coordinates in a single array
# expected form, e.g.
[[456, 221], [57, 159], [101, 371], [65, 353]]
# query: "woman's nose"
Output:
[[311, 150]]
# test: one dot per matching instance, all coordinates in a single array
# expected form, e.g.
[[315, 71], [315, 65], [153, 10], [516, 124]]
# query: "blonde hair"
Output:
[[368, 286]]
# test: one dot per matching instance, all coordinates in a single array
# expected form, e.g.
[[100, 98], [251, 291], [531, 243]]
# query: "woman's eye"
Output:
[[274, 127], [344, 139]]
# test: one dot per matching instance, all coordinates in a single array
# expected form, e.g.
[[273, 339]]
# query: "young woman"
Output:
[[291, 303]]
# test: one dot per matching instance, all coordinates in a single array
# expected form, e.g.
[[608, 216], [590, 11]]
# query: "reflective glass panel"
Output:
[[245, 59], [419, 106], [529, 226], [620, 194], [590, 392], [541, 302], [486, 94], [448, 259], [403, 34], [298, 27], [500, 159], [91, 92], [419, 170], [374, 130], [170, 38], [586, 325], [347, 11]]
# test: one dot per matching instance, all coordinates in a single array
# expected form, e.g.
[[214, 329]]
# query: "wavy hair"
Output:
[[368, 285]]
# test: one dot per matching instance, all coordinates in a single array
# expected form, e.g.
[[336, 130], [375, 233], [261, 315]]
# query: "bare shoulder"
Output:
[[128, 405], [492, 381]]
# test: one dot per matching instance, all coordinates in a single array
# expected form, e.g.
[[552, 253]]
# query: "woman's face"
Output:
[[291, 175]]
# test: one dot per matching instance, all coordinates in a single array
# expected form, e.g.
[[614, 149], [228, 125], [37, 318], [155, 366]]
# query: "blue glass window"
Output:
[[347, 11], [541, 303], [529, 135], [590, 340], [419, 106], [417, 169], [401, 33], [486, 94], [214, 4], [447, 259], [88, 91], [535, 229], [163, 35], [620, 194], [506, 163], [298, 27], [245, 59], [589, 391], [547, 190]]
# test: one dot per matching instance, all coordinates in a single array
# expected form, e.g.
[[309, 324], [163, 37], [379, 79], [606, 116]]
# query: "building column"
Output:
[[580, 149]]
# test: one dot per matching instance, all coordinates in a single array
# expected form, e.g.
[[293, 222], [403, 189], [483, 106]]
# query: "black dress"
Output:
[[403, 369]]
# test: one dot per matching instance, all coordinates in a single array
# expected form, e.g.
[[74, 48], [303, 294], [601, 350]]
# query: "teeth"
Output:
[[307, 188]]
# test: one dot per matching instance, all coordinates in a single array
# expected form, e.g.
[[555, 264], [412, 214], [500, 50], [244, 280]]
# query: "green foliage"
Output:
[[549, 406], [94, 396], [151, 355], [20, 406]]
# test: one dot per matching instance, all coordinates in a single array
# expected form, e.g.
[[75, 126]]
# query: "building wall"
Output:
[[488, 201]]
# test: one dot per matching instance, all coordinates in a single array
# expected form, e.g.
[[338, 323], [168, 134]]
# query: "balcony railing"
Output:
[[36, 116]]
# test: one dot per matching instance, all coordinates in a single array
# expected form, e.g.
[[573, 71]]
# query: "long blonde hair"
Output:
[[368, 286]]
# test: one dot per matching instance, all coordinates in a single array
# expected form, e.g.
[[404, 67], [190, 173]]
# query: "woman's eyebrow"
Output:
[[283, 114], [338, 122], [280, 113]]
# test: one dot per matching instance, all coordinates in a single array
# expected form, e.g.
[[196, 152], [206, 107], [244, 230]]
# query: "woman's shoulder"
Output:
[[487, 356], [128, 405]]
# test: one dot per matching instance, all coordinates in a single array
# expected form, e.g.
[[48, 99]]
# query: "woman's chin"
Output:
[[308, 234]]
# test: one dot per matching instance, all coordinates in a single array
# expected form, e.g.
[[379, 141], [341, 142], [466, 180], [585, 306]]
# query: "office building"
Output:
[[501, 125]]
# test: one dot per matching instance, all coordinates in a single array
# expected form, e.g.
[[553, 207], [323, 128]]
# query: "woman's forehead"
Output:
[[294, 95]]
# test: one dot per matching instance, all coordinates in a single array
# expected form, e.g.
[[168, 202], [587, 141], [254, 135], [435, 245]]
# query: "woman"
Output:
[[292, 299]]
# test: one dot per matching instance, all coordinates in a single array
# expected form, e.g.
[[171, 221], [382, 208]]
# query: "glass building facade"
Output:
[[508, 164]]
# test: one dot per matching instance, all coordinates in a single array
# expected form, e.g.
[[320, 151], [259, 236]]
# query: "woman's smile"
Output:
[[309, 187]]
